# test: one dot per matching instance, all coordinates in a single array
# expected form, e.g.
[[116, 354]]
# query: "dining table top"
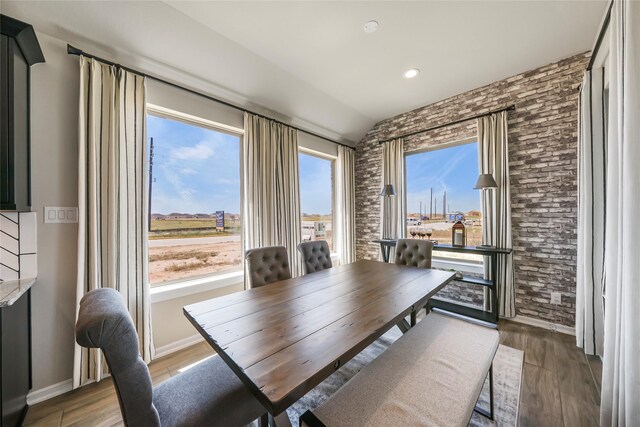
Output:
[[285, 338]]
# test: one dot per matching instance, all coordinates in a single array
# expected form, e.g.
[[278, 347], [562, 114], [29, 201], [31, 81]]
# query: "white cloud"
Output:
[[188, 171], [197, 152]]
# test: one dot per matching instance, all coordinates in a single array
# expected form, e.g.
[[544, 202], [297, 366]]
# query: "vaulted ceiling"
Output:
[[311, 63]]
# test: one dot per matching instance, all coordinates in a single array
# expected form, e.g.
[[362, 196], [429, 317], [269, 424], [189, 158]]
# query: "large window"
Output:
[[440, 191], [316, 197], [194, 189]]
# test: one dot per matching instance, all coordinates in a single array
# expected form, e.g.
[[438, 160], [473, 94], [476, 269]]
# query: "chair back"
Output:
[[414, 252], [316, 256], [104, 323], [267, 265]]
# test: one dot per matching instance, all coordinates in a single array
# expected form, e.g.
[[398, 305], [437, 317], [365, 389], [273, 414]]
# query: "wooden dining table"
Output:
[[285, 338]]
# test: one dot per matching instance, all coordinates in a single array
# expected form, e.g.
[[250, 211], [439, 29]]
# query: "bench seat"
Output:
[[431, 376]]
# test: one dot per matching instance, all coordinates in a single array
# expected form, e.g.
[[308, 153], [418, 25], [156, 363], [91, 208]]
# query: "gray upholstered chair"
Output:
[[267, 265], [208, 394], [316, 256], [414, 252]]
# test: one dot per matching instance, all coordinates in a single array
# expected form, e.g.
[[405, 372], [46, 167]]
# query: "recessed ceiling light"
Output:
[[371, 27], [411, 73]]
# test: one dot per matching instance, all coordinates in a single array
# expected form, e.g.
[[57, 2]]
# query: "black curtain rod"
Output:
[[466, 119], [603, 30], [75, 51]]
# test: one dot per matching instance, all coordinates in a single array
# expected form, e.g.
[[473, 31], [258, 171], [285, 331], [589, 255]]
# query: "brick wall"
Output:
[[543, 171]]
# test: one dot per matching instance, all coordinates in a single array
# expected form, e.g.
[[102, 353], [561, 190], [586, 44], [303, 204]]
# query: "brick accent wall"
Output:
[[543, 172]]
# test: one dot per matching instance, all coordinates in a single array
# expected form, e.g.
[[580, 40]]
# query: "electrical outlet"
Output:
[[556, 298]]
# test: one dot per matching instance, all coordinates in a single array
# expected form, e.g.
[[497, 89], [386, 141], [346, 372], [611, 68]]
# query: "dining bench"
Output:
[[432, 375]]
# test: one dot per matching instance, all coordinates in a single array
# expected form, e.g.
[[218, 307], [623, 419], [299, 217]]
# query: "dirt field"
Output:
[[168, 263]]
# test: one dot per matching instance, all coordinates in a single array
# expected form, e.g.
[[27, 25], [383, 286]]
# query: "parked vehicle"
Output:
[[413, 221]]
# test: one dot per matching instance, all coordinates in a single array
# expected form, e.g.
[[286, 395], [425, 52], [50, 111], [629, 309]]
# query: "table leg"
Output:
[[281, 420], [494, 289]]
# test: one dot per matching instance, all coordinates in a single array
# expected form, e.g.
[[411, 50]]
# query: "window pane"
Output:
[[194, 174], [316, 198], [440, 191]]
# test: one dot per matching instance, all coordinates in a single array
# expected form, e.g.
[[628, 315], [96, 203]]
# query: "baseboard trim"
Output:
[[544, 324], [49, 392], [183, 343]]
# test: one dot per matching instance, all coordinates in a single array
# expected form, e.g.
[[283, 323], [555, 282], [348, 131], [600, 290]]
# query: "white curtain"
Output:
[[620, 397], [493, 158], [394, 207], [345, 221], [112, 200], [591, 200], [271, 186]]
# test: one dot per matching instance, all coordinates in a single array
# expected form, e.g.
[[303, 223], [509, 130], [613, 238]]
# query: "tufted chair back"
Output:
[[414, 252], [104, 323], [316, 256], [267, 265]]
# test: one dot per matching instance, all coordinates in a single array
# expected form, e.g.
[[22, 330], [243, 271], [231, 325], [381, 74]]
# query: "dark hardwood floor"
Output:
[[560, 385]]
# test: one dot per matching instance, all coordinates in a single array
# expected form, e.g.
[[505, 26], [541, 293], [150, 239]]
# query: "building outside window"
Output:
[[194, 189], [316, 197], [440, 192]]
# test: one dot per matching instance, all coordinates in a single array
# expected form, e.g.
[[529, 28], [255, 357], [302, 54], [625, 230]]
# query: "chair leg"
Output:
[[263, 421]]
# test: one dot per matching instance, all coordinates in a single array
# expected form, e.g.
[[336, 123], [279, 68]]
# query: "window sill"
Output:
[[451, 264], [195, 286]]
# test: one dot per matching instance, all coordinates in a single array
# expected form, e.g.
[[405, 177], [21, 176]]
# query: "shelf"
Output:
[[463, 311], [476, 281]]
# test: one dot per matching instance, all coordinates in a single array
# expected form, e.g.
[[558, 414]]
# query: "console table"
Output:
[[489, 317]]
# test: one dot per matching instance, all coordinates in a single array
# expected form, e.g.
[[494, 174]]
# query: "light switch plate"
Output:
[[60, 215]]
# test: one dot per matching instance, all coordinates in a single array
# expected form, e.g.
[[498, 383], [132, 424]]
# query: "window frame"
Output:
[[332, 159], [204, 282], [440, 260]]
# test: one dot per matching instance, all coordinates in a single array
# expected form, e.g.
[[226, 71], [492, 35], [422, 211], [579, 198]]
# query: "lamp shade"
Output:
[[485, 181], [388, 190]]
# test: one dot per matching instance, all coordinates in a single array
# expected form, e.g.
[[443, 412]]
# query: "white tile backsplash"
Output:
[[28, 266], [28, 230], [18, 245]]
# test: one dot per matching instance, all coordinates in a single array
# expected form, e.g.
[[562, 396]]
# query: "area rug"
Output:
[[507, 370]]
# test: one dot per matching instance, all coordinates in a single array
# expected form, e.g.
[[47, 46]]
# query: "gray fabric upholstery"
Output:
[[414, 252], [316, 256], [208, 394], [431, 376], [267, 265], [105, 323]]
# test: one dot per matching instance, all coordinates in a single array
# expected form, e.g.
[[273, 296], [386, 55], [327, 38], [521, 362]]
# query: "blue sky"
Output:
[[195, 170], [453, 169], [315, 185]]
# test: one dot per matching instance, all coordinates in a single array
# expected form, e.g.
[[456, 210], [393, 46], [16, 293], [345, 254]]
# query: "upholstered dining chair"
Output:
[[414, 252], [316, 256], [267, 265], [208, 394]]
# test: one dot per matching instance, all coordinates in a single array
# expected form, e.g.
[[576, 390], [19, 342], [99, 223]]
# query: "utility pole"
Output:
[[150, 181], [436, 205], [431, 203], [420, 217], [444, 205]]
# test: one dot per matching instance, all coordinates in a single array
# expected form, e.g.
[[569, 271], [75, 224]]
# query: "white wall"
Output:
[[55, 173]]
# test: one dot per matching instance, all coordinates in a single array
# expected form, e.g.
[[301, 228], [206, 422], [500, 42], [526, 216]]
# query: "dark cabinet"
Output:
[[15, 360], [19, 51]]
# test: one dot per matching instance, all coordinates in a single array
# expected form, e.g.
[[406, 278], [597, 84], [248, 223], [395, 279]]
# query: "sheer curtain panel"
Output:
[[112, 200], [591, 200], [394, 207], [620, 397], [345, 221], [493, 158], [271, 187]]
